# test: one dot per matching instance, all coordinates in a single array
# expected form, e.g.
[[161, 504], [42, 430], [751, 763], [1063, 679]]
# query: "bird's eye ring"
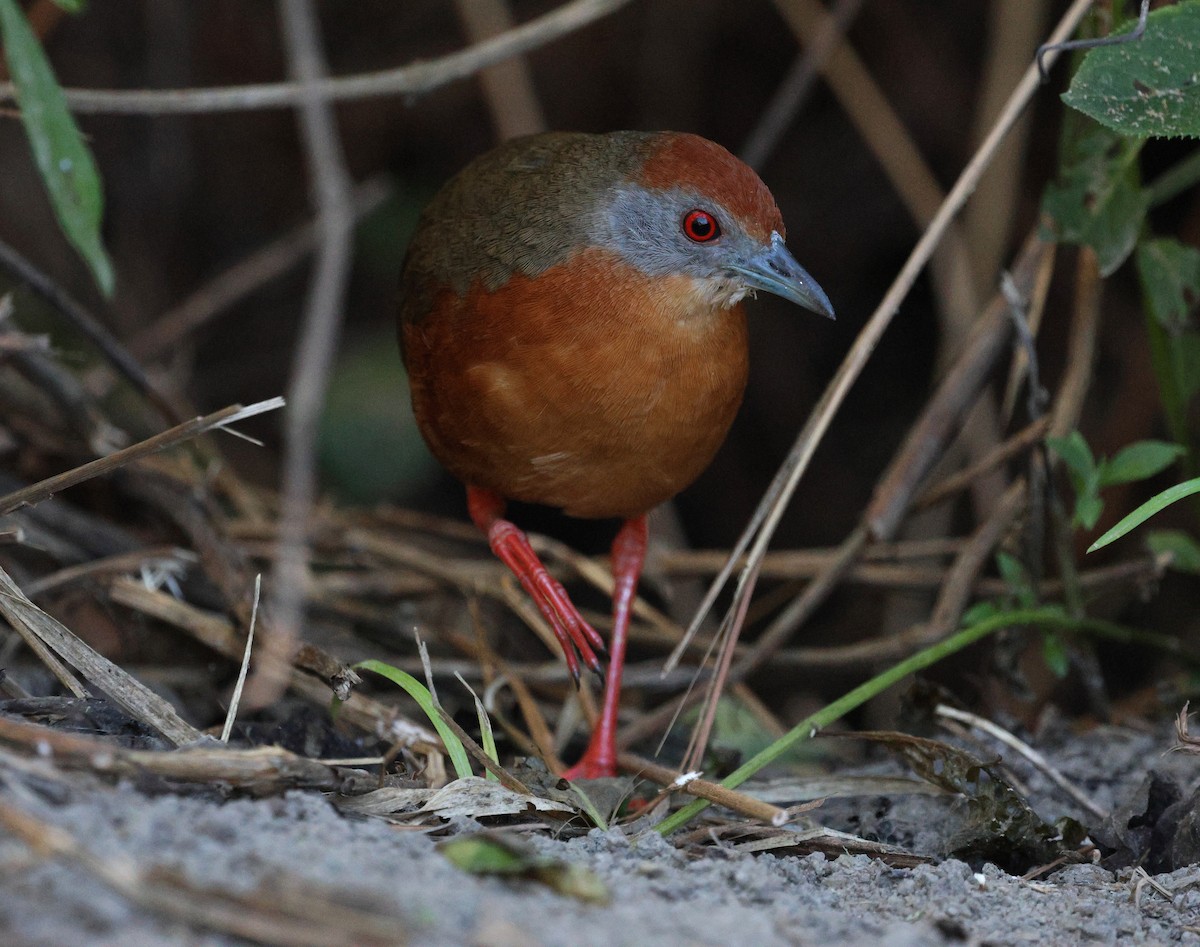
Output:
[[701, 226]]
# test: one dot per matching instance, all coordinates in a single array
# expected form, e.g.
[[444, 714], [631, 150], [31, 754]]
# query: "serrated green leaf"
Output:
[[1098, 200], [1184, 548], [1154, 505], [1138, 461], [1055, 654], [62, 157], [1146, 87]]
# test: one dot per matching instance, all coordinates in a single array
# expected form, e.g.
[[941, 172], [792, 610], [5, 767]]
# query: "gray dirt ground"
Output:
[[659, 894]]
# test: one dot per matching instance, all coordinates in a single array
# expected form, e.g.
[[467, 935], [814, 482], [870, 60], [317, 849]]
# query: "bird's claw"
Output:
[[577, 638]]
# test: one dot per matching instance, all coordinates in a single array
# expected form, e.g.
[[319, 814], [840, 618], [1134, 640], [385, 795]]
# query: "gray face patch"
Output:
[[646, 229]]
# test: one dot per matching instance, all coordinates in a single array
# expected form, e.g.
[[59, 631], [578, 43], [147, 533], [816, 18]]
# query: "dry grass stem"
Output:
[[34, 493], [241, 678]]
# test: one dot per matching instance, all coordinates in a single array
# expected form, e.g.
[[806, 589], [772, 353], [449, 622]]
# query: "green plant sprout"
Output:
[[1089, 475]]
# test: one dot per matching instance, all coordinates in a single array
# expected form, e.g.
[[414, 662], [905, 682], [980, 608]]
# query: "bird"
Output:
[[572, 329]]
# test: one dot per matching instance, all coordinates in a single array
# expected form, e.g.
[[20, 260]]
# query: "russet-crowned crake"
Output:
[[572, 327]]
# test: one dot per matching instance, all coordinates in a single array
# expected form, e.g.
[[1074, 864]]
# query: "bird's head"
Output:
[[692, 209]]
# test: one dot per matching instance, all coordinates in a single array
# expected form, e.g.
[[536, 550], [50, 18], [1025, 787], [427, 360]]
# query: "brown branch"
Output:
[[507, 86], [410, 80], [1016, 445], [927, 441], [310, 678]]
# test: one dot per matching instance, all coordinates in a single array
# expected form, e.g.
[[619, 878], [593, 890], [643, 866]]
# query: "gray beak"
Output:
[[775, 270]]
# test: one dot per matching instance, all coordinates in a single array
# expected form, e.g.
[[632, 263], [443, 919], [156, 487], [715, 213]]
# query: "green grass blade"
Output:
[[63, 159], [420, 693], [1147, 510], [486, 735]]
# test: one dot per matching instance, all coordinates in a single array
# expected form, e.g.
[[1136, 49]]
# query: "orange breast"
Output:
[[591, 387]]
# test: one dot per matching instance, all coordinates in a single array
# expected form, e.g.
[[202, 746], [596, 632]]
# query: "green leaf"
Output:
[[420, 693], [71, 6], [1138, 461], [980, 611], [1154, 505], [1075, 453], [1146, 87], [1098, 200], [1055, 654], [1085, 476], [1170, 276], [487, 736], [63, 159], [1016, 578], [1184, 548], [1088, 508], [487, 853]]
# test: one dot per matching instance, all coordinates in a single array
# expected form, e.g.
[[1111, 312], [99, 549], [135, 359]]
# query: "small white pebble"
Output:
[[44, 748], [980, 879]]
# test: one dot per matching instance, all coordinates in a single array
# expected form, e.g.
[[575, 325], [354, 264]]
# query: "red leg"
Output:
[[628, 554], [512, 547]]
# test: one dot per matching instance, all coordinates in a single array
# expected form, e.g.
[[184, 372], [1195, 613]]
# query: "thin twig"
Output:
[[1135, 34], [1016, 445], [232, 285], [88, 325], [410, 80], [313, 360], [793, 91], [27, 496], [703, 789], [507, 86]]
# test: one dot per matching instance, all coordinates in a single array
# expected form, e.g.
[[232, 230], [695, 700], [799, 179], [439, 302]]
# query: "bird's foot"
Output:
[[511, 546]]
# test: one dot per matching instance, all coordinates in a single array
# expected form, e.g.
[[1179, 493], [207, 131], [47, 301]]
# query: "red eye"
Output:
[[701, 226]]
